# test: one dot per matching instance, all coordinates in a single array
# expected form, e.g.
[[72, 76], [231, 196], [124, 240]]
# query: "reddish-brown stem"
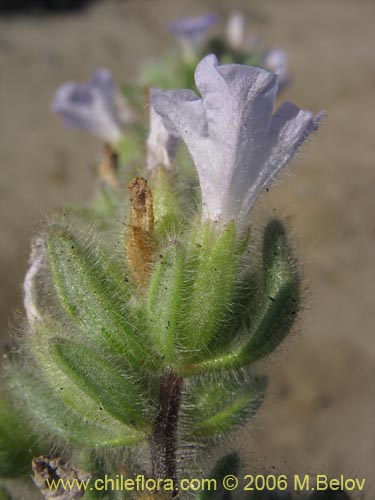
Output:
[[163, 440]]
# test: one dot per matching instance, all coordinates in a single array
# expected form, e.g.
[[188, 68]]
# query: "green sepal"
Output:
[[214, 257], [53, 418], [115, 390], [164, 300], [191, 292], [220, 404], [166, 203], [92, 299], [227, 465], [272, 309], [230, 332]]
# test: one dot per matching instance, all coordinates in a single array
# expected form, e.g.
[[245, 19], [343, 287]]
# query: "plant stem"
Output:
[[163, 440]]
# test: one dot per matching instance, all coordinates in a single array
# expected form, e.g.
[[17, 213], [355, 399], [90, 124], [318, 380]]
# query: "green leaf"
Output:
[[115, 390], [61, 383], [92, 300], [219, 404], [52, 417], [278, 302]]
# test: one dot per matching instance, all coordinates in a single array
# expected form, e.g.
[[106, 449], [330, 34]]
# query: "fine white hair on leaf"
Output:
[[30, 292]]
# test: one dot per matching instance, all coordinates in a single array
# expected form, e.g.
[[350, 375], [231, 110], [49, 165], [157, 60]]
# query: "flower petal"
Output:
[[162, 140], [89, 106], [183, 110], [102, 80], [290, 127], [237, 144]]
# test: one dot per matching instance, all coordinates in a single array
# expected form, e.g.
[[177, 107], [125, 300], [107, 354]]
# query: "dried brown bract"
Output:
[[140, 235]]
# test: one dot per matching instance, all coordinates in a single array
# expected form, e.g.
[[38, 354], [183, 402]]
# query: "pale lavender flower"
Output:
[[90, 106], [236, 30], [237, 36], [162, 140], [276, 61], [192, 31], [238, 145]]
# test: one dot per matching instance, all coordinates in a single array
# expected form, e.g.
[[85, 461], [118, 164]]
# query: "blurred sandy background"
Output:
[[320, 413]]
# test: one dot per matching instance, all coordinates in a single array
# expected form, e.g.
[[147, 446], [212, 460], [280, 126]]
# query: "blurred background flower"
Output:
[[90, 106], [192, 32]]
